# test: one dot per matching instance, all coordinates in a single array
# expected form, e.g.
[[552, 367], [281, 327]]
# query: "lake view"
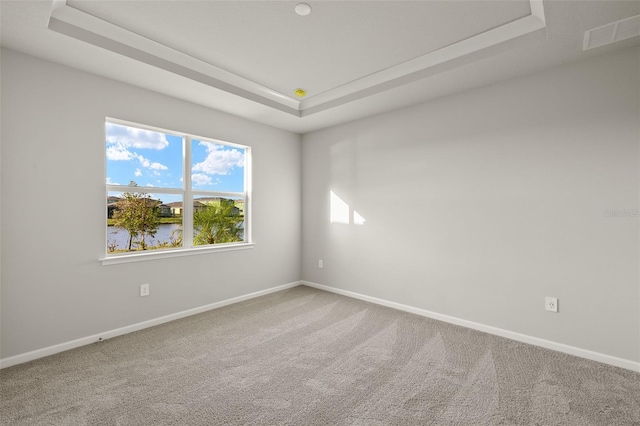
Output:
[[121, 236]]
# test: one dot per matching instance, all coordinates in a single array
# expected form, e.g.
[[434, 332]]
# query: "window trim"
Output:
[[169, 253], [187, 192]]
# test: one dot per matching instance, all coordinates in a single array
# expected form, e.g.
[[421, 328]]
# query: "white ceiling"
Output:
[[354, 58], [268, 43]]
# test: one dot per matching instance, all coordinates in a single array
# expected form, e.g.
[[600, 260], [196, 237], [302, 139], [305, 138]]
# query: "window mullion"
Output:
[[248, 184], [187, 216]]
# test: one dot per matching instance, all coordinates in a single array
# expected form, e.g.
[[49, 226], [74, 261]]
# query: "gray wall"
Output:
[[477, 206], [54, 290], [481, 204]]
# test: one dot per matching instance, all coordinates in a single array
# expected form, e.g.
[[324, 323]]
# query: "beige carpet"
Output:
[[308, 357]]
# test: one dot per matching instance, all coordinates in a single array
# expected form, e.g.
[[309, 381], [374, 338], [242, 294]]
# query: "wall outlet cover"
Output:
[[144, 290]]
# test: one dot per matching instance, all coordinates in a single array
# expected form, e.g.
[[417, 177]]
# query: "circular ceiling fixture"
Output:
[[303, 9], [301, 93]]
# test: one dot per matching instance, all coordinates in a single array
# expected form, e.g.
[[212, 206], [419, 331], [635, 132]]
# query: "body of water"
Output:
[[120, 236]]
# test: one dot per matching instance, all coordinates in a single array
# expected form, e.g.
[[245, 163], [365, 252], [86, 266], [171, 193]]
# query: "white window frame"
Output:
[[187, 193]]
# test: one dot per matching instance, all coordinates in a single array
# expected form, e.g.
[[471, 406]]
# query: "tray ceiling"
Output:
[[264, 51], [269, 44], [354, 58]]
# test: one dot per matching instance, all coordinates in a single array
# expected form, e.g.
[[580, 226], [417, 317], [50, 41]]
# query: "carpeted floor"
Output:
[[308, 357]]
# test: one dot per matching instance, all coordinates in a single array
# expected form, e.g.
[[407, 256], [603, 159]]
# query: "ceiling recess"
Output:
[[90, 28], [610, 33]]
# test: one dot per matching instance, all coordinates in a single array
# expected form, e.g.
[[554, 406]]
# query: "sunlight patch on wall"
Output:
[[340, 212], [357, 219]]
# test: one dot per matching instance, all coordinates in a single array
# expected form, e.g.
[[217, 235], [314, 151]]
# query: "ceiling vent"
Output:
[[615, 31]]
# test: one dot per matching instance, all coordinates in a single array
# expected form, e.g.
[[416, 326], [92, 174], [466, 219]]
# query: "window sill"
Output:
[[165, 254]]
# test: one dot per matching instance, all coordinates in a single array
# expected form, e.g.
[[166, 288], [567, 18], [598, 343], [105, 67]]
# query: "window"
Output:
[[173, 192]]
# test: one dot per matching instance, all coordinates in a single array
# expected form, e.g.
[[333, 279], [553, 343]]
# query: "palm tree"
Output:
[[217, 222]]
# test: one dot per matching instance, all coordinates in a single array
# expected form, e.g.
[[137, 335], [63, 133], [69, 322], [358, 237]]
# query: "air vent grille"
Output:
[[610, 33]]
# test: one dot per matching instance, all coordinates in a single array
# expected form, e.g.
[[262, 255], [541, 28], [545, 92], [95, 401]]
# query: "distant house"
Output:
[[165, 210], [209, 200], [240, 206], [218, 200], [197, 206], [112, 206], [177, 208]]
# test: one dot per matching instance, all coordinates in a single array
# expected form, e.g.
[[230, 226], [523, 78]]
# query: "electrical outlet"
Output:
[[320, 264], [551, 304], [144, 289]]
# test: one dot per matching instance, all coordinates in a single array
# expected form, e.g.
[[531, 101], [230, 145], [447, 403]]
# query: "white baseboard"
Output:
[[560, 347], [40, 353]]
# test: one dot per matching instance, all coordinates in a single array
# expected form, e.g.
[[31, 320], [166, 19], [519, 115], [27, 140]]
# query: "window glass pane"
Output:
[[145, 172], [217, 167], [138, 221], [145, 157], [218, 220]]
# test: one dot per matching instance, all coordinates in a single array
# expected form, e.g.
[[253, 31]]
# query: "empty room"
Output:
[[320, 212]]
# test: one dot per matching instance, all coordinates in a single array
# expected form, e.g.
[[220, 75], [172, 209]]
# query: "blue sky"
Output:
[[155, 159]]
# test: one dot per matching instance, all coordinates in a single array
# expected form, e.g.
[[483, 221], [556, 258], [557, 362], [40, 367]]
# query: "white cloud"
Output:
[[201, 179], [121, 140], [110, 182], [129, 137], [158, 166], [119, 153], [219, 161], [145, 162]]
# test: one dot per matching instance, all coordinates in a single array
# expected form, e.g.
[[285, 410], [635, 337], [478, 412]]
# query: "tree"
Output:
[[139, 215], [217, 222]]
